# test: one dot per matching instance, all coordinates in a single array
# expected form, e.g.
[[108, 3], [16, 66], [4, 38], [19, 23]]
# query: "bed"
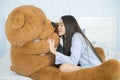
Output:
[[7, 74]]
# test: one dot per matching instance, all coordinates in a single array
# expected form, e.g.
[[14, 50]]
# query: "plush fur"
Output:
[[27, 29]]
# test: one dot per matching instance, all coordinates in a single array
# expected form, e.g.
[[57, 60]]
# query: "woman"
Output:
[[77, 49]]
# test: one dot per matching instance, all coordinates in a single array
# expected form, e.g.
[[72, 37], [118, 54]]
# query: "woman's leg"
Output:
[[69, 68]]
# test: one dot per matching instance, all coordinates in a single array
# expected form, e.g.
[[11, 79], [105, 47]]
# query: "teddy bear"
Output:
[[27, 30]]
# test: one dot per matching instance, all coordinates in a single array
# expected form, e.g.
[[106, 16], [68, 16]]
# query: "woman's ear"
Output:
[[18, 20]]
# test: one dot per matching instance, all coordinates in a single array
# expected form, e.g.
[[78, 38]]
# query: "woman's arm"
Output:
[[76, 51]]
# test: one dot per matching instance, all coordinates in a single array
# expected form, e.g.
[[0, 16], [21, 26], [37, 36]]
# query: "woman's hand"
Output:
[[51, 43]]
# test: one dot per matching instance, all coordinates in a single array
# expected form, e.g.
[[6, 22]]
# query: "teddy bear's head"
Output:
[[28, 26]]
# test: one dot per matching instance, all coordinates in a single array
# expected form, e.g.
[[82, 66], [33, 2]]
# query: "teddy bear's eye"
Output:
[[37, 40]]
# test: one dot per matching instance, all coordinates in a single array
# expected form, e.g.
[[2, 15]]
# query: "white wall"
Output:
[[56, 8]]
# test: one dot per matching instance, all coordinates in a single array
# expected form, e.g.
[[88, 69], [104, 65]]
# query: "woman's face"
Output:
[[61, 28]]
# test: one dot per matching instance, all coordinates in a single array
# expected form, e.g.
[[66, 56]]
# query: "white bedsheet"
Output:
[[6, 73]]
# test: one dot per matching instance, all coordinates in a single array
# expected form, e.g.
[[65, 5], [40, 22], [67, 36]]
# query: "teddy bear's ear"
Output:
[[18, 20]]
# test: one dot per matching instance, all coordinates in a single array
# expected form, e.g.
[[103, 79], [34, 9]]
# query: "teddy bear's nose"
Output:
[[54, 24]]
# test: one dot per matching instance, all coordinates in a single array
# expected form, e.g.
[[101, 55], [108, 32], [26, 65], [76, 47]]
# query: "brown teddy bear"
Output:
[[27, 29]]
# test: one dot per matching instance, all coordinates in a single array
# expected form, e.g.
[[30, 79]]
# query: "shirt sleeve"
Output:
[[76, 51]]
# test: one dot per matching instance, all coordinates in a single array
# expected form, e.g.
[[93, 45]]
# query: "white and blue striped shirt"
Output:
[[80, 54]]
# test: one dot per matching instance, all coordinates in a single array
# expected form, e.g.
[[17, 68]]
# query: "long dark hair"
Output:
[[72, 26]]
